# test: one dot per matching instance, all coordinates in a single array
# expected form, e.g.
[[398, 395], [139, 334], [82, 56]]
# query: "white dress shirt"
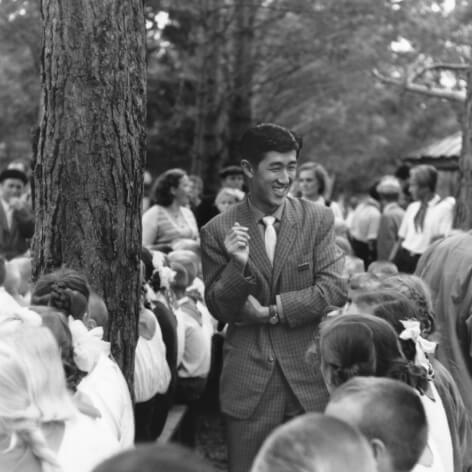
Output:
[[437, 223]]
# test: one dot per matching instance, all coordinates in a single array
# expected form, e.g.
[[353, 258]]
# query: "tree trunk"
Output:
[[463, 217], [240, 112], [91, 149], [207, 147]]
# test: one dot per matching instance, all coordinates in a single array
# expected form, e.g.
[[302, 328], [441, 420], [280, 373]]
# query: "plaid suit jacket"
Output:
[[306, 275]]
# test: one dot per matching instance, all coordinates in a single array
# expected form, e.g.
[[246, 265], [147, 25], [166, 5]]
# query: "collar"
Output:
[[434, 201], [258, 214], [391, 205]]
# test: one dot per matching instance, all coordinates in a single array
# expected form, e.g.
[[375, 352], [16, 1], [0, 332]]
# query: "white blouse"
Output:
[[151, 371]]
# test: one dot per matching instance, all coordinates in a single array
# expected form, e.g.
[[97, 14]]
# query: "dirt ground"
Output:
[[210, 441]]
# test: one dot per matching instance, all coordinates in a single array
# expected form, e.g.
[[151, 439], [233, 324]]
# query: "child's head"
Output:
[[227, 197]]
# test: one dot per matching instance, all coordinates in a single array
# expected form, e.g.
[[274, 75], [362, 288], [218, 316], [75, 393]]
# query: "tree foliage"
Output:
[[305, 64]]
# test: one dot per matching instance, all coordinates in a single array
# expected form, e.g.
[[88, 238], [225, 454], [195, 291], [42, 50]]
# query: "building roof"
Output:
[[442, 153]]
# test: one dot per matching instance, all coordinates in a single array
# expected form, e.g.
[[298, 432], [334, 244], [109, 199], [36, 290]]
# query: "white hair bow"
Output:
[[88, 345], [412, 332], [166, 274]]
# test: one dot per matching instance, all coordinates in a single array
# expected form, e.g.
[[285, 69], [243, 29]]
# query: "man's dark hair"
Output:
[[155, 457], [265, 137], [391, 411], [230, 170], [403, 172]]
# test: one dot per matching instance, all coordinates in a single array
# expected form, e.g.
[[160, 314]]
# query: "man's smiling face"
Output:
[[270, 182]]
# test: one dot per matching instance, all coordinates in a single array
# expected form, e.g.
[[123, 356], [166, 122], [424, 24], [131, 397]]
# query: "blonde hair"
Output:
[[39, 355], [20, 416], [238, 195]]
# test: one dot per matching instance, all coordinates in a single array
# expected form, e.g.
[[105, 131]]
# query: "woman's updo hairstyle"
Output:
[[393, 307], [65, 289], [161, 192], [417, 291], [348, 351], [366, 345]]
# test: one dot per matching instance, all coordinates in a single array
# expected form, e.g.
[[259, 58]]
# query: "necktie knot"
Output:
[[268, 221]]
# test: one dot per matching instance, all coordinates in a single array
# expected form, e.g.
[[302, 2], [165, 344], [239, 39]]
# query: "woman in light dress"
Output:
[[169, 219]]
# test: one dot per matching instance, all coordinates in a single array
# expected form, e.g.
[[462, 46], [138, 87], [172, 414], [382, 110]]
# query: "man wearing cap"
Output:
[[232, 177], [16, 217], [389, 190]]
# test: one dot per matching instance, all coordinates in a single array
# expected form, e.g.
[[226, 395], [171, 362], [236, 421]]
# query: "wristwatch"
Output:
[[274, 317]]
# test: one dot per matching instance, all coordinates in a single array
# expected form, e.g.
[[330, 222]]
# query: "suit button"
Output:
[[270, 359]]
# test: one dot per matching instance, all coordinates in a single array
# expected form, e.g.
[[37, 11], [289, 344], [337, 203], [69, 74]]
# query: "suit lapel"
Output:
[[285, 240], [257, 251]]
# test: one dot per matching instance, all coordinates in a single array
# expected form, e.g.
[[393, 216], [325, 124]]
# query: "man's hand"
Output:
[[237, 243], [253, 313]]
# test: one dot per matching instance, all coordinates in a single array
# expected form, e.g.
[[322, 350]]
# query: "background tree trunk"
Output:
[[463, 217], [207, 147], [240, 111], [91, 149]]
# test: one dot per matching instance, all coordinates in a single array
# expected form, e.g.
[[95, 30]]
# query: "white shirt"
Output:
[[151, 371], [438, 427], [334, 206], [439, 437], [194, 345], [8, 212], [365, 220], [106, 387], [437, 223], [10, 310], [86, 443]]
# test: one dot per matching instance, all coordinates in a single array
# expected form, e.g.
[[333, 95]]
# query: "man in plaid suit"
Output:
[[271, 279]]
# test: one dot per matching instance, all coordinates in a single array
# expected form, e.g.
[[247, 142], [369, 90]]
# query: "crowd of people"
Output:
[[340, 335]]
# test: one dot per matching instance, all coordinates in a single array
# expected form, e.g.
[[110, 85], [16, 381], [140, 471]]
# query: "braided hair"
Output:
[[363, 345], [64, 289]]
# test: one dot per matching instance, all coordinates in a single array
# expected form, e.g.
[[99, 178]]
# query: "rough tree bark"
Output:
[[90, 154], [463, 216]]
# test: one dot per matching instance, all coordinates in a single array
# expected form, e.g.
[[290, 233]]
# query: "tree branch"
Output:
[[409, 85]]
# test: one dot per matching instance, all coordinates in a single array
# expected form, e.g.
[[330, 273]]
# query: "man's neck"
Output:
[[263, 208], [427, 198]]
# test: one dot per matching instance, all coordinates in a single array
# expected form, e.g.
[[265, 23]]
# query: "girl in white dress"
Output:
[[364, 345], [58, 436]]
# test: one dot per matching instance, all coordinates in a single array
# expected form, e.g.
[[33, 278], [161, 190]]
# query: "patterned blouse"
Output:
[[161, 227]]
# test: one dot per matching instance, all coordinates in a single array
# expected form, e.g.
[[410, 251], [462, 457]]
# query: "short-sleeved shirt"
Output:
[[364, 225], [194, 339], [437, 223]]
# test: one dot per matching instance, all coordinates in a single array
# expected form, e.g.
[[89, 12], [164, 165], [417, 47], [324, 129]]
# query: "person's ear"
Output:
[[248, 169], [381, 454]]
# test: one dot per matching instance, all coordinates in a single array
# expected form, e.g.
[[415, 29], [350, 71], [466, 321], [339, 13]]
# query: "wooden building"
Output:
[[444, 155]]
